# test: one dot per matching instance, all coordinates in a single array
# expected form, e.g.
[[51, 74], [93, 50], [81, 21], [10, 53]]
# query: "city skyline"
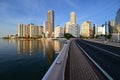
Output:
[[34, 11]]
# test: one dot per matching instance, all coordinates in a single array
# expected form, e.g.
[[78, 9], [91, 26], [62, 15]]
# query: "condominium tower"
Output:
[[72, 27], [73, 18], [86, 29], [49, 24], [111, 26], [117, 20], [59, 31], [115, 35], [29, 30]]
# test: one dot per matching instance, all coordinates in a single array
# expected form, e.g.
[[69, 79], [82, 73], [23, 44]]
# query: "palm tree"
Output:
[[118, 29]]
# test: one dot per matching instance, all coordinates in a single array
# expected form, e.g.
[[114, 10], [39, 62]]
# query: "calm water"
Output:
[[27, 59]]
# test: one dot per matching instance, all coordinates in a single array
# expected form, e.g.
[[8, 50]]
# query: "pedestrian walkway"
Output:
[[78, 67], [116, 44]]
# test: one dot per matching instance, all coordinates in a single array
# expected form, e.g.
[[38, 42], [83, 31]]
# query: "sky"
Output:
[[13, 12]]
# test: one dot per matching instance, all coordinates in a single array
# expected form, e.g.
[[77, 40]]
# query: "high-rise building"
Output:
[[101, 30], [29, 30], [86, 29], [34, 30], [111, 26], [59, 31], [73, 18], [48, 31], [72, 27], [106, 27], [40, 30], [115, 36], [49, 24], [51, 18], [117, 20], [67, 25], [20, 30], [95, 30]]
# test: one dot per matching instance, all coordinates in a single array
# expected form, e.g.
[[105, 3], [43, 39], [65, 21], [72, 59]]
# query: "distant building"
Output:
[[95, 30], [20, 30], [40, 30], [59, 31], [101, 30], [51, 19], [48, 31], [49, 24], [29, 30], [73, 18], [74, 29], [115, 36], [34, 30], [106, 26], [86, 29], [67, 25], [72, 21], [117, 20], [111, 26]]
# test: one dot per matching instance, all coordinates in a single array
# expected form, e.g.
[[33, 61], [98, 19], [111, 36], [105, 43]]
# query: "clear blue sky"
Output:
[[35, 11]]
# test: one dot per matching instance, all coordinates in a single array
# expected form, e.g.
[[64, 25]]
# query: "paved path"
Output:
[[77, 67]]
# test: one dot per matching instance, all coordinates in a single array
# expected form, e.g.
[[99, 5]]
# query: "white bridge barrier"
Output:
[[57, 69]]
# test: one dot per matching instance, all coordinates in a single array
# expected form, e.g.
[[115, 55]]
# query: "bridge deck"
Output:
[[78, 67]]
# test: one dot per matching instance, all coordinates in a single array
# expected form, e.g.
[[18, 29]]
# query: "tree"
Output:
[[68, 36], [108, 36]]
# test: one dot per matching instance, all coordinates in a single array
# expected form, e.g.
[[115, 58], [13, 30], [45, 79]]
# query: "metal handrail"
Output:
[[57, 69]]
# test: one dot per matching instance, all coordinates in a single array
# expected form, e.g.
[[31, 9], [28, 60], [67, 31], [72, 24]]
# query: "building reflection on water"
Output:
[[58, 46], [28, 56], [46, 46], [29, 46], [49, 50]]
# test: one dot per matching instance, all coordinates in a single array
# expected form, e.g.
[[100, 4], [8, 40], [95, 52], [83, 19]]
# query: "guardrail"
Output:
[[57, 69]]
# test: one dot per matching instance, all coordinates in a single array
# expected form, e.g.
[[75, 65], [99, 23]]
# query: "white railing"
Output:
[[57, 69]]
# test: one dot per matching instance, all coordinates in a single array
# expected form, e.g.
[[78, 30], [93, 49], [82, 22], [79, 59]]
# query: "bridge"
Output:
[[85, 60]]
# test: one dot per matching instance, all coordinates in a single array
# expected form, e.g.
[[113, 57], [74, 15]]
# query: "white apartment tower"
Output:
[[59, 31], [72, 27], [73, 18]]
